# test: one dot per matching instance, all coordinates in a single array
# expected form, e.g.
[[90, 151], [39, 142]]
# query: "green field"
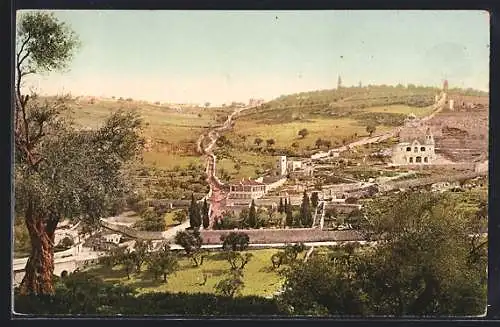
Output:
[[172, 134], [259, 278], [168, 161], [248, 161], [402, 109]]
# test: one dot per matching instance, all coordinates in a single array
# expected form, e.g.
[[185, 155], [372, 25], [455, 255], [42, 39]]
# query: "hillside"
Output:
[[342, 102], [170, 133], [332, 116]]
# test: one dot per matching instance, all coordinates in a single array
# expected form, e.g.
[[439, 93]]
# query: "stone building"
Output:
[[247, 189], [419, 150], [281, 166]]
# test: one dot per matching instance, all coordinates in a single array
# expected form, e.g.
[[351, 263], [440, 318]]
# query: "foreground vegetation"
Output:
[[259, 278], [432, 261]]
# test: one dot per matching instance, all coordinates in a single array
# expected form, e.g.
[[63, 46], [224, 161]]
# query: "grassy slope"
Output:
[[327, 114], [259, 279], [172, 133]]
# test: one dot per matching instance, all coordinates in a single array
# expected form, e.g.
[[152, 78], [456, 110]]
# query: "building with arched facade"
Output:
[[247, 189], [419, 150]]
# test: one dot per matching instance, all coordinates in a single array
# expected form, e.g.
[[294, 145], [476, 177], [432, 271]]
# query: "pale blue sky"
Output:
[[220, 56]]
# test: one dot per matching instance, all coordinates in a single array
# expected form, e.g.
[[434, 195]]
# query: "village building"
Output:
[[294, 165], [281, 166], [247, 189], [255, 102], [417, 150], [112, 238]]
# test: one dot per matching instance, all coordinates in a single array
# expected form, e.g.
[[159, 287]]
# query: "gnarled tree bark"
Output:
[[39, 269]]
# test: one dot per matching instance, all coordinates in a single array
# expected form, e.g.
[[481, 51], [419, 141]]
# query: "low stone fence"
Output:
[[295, 235]]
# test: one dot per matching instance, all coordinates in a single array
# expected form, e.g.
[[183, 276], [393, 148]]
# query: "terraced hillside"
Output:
[[461, 133], [333, 117]]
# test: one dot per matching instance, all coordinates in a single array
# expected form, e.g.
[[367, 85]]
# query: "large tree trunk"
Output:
[[40, 266]]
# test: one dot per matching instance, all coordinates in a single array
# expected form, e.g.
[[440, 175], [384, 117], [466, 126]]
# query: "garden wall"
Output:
[[295, 235]]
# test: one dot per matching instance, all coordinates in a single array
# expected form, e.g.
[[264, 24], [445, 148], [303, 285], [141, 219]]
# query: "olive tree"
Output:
[[60, 171]]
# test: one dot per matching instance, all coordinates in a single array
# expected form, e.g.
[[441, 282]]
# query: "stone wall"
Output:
[[263, 236], [132, 232], [459, 135], [428, 181]]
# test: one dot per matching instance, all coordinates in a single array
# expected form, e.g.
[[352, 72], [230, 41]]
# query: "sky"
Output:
[[223, 56]]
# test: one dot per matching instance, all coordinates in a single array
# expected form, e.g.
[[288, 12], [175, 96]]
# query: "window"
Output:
[[422, 148], [411, 159], [415, 149], [418, 159], [426, 159], [408, 149]]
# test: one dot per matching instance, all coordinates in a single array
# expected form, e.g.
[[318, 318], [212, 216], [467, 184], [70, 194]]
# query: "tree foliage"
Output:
[[205, 216], [180, 216], [305, 211], [252, 215], [235, 241], [314, 199], [370, 129], [61, 171], [427, 262], [303, 132], [231, 285], [162, 263], [151, 221], [190, 240], [289, 214], [194, 213]]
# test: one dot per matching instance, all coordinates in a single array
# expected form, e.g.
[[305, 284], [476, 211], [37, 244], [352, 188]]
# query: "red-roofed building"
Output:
[[247, 189]]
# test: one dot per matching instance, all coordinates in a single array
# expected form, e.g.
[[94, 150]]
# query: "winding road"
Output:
[[218, 191], [437, 108]]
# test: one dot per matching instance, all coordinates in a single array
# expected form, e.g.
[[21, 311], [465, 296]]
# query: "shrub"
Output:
[[235, 241]]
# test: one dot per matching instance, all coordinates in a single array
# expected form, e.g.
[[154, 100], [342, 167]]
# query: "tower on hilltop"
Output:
[[339, 82], [445, 85]]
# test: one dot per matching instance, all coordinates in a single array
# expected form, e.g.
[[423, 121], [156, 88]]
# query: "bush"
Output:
[[235, 241], [84, 293]]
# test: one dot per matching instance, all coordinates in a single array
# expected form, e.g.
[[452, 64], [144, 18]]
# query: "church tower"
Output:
[[429, 138]]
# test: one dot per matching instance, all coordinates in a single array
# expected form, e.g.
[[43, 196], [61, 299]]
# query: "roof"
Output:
[[249, 182], [414, 134], [271, 179]]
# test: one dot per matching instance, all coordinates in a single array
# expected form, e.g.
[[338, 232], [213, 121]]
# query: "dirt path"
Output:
[[218, 191], [438, 107]]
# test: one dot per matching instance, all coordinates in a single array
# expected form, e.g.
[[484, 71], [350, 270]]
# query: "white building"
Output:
[[293, 165], [281, 168], [112, 238], [247, 189], [415, 151]]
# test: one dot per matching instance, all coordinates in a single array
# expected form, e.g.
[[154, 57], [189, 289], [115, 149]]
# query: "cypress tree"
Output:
[[281, 208], [305, 211], [194, 213], [252, 215], [314, 199], [206, 220], [289, 214]]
